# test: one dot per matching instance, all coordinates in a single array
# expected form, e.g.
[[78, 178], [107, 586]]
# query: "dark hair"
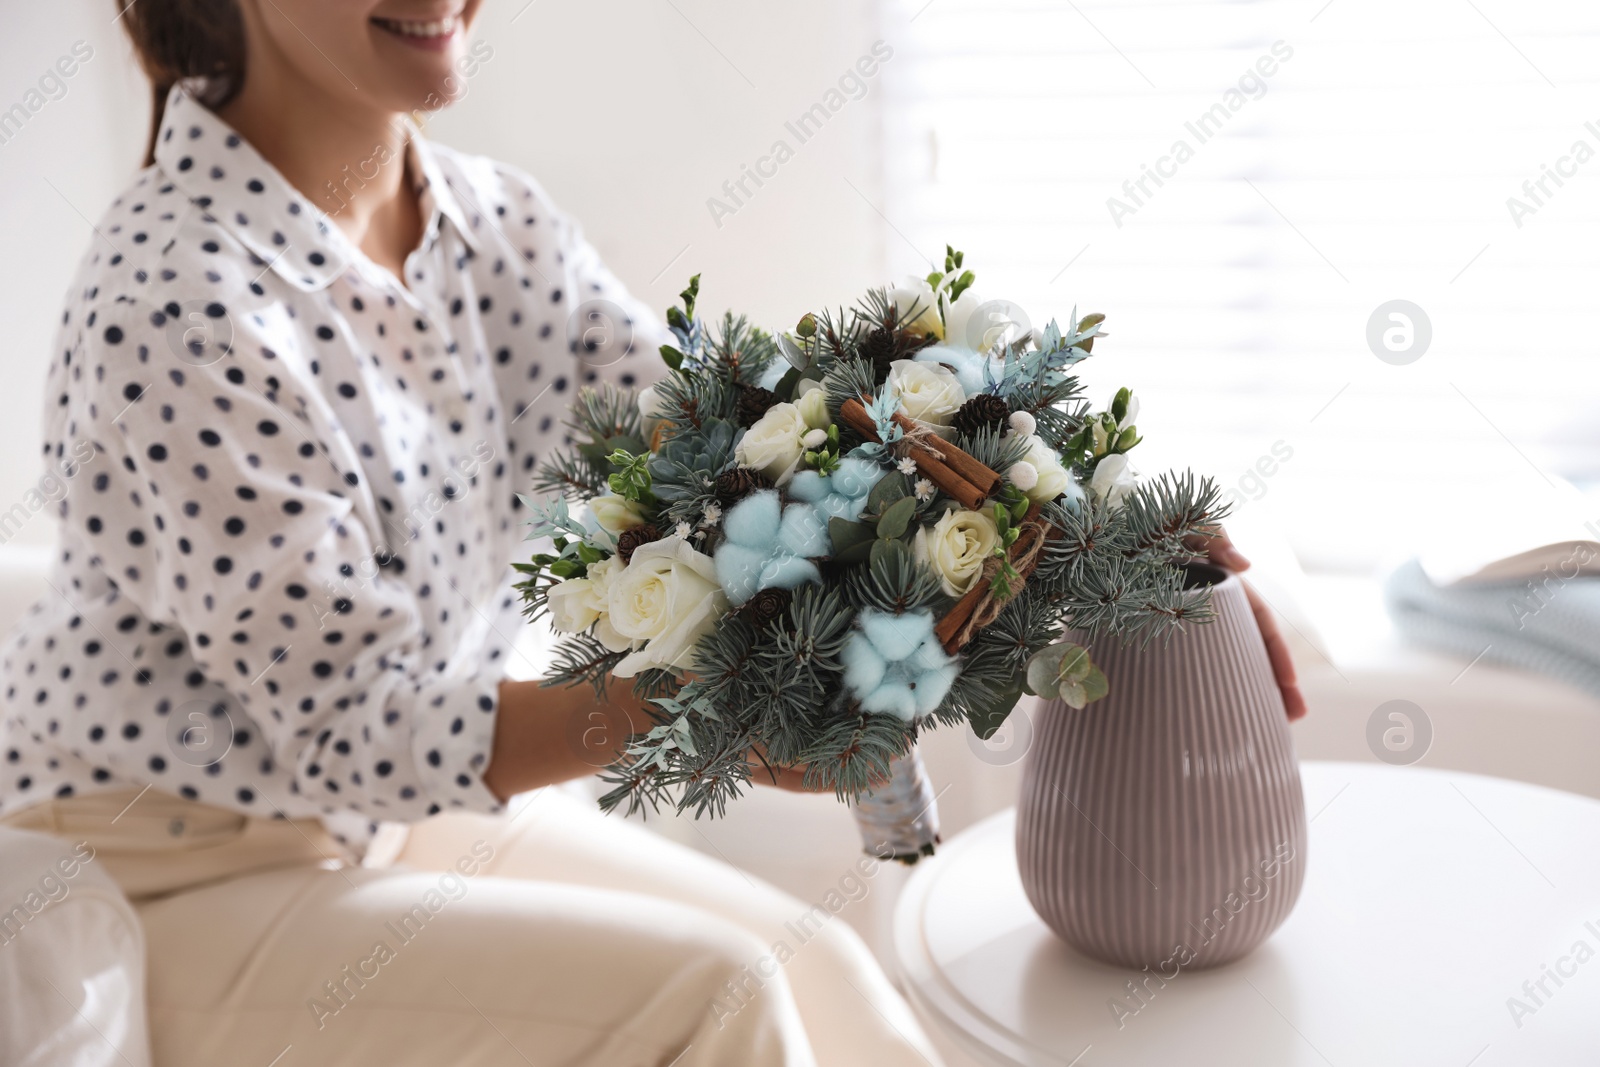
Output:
[[183, 39]]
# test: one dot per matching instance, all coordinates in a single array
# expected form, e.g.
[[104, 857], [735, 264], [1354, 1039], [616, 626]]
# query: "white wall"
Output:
[[631, 112], [85, 145]]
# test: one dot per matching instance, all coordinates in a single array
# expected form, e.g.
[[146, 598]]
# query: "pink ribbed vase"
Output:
[[1163, 825]]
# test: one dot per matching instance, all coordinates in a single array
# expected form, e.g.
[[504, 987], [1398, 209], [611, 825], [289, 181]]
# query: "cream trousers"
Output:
[[552, 937]]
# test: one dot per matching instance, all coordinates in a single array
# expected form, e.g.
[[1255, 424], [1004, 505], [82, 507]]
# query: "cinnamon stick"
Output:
[[962, 463], [953, 631], [936, 458]]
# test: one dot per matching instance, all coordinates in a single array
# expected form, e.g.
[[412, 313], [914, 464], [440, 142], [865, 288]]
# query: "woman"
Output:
[[308, 361]]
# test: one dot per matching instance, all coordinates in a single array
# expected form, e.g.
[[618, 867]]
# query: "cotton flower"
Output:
[[955, 548], [894, 664], [1023, 475], [772, 446], [928, 392]]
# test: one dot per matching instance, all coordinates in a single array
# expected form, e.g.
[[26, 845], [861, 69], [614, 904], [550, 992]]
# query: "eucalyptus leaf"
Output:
[[793, 353], [859, 553], [1074, 663], [1095, 685], [1073, 694], [987, 719], [896, 517], [846, 534], [890, 488]]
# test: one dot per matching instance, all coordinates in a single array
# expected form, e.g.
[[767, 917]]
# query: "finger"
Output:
[[1220, 550], [1294, 701]]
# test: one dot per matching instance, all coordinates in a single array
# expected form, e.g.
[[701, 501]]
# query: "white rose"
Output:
[[956, 547], [601, 577], [1113, 479], [813, 407], [1050, 478], [918, 294], [616, 514], [573, 606], [579, 603], [928, 391], [667, 598], [772, 446]]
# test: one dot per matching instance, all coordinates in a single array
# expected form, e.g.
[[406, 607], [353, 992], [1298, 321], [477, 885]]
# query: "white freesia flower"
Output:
[[616, 514], [1113, 479], [773, 445], [928, 391], [1050, 479], [1131, 416], [918, 294], [667, 598], [956, 547], [813, 405], [815, 438], [958, 319], [651, 407]]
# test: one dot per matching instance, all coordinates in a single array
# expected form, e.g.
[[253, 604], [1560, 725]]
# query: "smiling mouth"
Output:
[[422, 31]]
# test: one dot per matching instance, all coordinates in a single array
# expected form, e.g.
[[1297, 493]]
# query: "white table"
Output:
[[1430, 898]]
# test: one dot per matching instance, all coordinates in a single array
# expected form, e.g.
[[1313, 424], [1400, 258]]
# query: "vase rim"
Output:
[[1200, 567]]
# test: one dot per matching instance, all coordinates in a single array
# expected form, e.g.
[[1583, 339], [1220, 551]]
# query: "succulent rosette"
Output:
[[807, 547]]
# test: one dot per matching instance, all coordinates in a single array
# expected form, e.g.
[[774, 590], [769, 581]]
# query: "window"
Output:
[[1243, 188]]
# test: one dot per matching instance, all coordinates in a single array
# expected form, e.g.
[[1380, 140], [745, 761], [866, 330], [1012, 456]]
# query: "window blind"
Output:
[[1244, 189]]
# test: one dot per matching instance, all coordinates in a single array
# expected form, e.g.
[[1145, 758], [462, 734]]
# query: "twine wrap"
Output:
[[980, 606], [900, 819]]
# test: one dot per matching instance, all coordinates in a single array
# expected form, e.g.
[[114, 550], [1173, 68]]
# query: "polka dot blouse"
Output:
[[284, 583]]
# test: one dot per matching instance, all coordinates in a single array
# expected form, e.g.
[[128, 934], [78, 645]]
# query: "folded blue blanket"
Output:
[[1551, 626]]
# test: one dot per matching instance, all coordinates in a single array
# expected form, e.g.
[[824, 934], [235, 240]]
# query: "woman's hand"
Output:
[[1220, 551]]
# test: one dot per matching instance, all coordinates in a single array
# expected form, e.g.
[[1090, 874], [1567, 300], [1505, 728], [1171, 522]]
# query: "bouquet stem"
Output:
[[900, 819]]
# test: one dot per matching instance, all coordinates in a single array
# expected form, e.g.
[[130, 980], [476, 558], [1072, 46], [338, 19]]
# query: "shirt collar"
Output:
[[234, 185], [433, 185]]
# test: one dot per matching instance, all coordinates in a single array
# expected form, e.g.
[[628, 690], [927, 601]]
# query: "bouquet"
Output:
[[804, 548]]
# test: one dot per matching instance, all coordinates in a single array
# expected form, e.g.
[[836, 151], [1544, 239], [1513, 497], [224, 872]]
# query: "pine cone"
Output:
[[635, 538], [881, 349], [753, 403], [738, 483], [985, 411], [766, 606]]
